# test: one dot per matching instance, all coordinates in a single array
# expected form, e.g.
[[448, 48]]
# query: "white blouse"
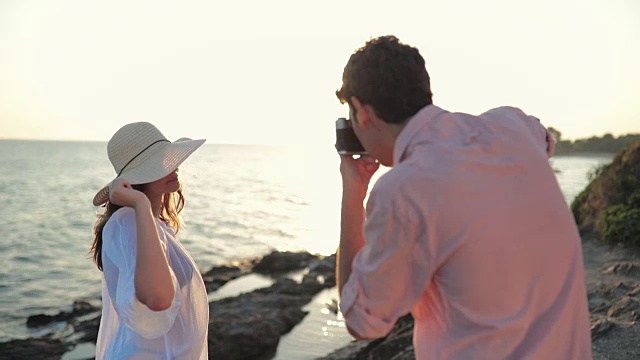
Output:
[[129, 329]]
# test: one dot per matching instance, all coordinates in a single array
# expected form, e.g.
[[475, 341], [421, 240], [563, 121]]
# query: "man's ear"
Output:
[[362, 115]]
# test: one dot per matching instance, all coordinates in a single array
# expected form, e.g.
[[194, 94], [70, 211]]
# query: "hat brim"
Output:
[[160, 164]]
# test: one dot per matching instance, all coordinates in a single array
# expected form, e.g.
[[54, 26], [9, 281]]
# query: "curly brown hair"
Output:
[[388, 75]]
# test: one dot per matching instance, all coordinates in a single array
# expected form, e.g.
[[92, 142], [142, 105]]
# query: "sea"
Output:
[[242, 201]]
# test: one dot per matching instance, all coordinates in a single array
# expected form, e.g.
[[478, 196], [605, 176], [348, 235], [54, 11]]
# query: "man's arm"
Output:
[[351, 234], [382, 277], [351, 240], [356, 175]]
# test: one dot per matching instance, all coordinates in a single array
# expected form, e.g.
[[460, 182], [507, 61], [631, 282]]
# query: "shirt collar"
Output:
[[408, 133]]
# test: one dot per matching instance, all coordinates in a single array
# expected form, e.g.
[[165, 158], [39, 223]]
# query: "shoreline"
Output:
[[284, 305], [260, 301]]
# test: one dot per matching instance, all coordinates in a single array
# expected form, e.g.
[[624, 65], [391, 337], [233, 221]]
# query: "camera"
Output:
[[346, 140]]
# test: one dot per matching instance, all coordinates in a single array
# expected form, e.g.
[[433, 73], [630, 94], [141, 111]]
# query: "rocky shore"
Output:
[[246, 326], [249, 325]]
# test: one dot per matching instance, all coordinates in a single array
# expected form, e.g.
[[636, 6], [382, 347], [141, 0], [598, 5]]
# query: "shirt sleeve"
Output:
[[391, 272], [540, 136], [119, 249]]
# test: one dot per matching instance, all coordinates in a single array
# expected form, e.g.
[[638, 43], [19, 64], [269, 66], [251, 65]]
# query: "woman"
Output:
[[154, 300]]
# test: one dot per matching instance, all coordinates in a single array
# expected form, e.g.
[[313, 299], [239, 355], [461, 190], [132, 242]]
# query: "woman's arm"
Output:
[[153, 281]]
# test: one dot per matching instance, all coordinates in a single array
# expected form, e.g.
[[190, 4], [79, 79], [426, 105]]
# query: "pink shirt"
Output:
[[469, 232]]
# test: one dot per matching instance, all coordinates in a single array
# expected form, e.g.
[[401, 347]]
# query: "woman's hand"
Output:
[[122, 193]]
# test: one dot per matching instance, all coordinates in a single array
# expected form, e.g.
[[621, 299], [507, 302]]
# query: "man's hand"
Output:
[[357, 173]]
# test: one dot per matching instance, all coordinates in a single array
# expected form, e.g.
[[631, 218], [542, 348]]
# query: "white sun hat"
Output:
[[140, 154]]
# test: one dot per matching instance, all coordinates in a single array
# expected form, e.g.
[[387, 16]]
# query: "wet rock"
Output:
[[324, 265], [324, 270], [397, 345], [280, 262], [87, 328], [82, 324], [285, 286], [80, 307], [220, 275], [44, 349], [40, 320], [350, 351], [333, 306], [249, 326]]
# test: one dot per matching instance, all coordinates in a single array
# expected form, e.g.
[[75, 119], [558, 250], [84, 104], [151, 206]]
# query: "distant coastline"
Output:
[[606, 143], [595, 145]]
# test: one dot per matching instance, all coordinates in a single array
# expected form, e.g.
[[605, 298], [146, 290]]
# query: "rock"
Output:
[[247, 326], [82, 326], [44, 349], [80, 307], [625, 268], [601, 327], [333, 306], [280, 262], [626, 306], [619, 343], [324, 270], [350, 351], [598, 305], [40, 320], [250, 325], [220, 275], [634, 292], [611, 291], [397, 345], [88, 328], [324, 266]]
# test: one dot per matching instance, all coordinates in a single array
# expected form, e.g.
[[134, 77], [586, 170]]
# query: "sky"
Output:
[[265, 72]]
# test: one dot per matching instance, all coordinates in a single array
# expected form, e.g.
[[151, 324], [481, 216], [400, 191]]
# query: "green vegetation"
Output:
[[610, 205], [603, 144]]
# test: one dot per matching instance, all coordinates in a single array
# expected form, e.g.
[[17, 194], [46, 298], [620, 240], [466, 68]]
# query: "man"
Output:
[[468, 230]]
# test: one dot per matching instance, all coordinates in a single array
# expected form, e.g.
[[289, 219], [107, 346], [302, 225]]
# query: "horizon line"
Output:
[[106, 141]]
